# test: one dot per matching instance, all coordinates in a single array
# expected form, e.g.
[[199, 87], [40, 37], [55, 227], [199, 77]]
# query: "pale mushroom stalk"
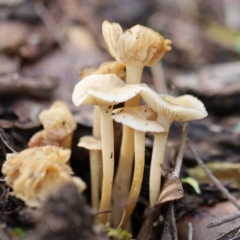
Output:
[[96, 158], [94, 146], [141, 119], [139, 152], [124, 170], [94, 172], [96, 123], [108, 164], [134, 74], [158, 153]]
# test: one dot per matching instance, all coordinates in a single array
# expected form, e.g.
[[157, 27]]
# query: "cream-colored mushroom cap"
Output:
[[11, 167], [35, 173], [139, 44], [140, 118], [115, 67], [90, 143], [58, 119], [181, 109], [98, 89], [111, 33]]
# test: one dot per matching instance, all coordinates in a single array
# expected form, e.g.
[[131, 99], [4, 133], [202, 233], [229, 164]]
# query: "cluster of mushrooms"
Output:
[[108, 86], [37, 171], [112, 83]]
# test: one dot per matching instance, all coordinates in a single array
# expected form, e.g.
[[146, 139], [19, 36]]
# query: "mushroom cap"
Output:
[[14, 161], [98, 89], [182, 109], [35, 173], [111, 33], [86, 72], [115, 67], [58, 120], [140, 118], [142, 45], [138, 44], [90, 142]]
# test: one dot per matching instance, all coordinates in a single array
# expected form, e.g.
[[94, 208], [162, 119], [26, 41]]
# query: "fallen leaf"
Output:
[[227, 173], [201, 218]]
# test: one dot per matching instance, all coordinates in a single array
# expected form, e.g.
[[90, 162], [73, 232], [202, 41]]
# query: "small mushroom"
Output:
[[136, 47], [59, 125], [181, 109], [94, 146], [37, 172], [104, 91], [115, 67], [141, 119]]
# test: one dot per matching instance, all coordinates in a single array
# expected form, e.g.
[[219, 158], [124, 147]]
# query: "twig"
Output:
[[181, 150], [190, 231], [103, 212], [123, 216], [217, 183], [5, 141], [223, 220], [49, 23]]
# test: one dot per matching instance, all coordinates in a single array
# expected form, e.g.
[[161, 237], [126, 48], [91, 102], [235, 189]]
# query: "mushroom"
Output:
[[115, 67], [141, 119], [137, 47], [94, 146], [104, 91], [59, 125], [35, 173], [181, 109], [119, 69]]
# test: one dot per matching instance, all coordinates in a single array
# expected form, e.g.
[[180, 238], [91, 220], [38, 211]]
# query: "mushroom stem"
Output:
[[158, 153], [96, 160], [94, 169], [96, 122], [124, 170], [108, 160], [159, 147], [123, 175], [139, 151], [134, 74]]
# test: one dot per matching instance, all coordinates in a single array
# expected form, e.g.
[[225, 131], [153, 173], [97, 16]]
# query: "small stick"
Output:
[[5, 142], [49, 23], [217, 183], [190, 231], [223, 220], [181, 151]]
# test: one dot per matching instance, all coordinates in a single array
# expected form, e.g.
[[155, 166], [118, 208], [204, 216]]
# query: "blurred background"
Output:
[[44, 44]]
